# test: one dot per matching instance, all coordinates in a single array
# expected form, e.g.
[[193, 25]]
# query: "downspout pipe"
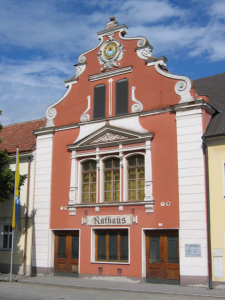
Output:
[[208, 215]]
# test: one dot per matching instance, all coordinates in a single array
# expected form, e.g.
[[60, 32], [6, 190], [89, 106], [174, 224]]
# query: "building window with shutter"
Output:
[[111, 245], [99, 101], [136, 177], [89, 181], [122, 97], [112, 179]]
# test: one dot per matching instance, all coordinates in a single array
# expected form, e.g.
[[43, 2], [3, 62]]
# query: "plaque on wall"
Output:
[[192, 250], [110, 220]]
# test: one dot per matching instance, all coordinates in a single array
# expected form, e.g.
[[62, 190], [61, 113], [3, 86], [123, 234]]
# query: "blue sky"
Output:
[[40, 41]]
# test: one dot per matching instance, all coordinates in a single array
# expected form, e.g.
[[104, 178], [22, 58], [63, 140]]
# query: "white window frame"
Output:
[[102, 192], [93, 246], [125, 173], [80, 178], [2, 234]]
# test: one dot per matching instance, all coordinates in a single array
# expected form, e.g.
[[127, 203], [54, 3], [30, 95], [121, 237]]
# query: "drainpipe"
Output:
[[26, 218], [208, 216]]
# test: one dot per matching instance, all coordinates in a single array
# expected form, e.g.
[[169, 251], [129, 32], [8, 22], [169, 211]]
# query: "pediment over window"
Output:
[[109, 136]]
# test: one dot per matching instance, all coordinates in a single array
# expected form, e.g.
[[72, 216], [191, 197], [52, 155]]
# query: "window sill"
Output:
[[5, 250], [110, 262], [105, 204]]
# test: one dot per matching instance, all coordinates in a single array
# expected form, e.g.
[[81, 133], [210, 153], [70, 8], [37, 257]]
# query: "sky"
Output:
[[40, 41]]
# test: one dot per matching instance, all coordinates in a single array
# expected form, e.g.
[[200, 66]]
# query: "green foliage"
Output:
[[7, 177]]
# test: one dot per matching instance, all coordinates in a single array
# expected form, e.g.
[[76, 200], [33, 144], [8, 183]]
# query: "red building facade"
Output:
[[120, 173]]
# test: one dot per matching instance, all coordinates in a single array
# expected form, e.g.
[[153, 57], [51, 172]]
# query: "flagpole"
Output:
[[11, 263], [13, 229]]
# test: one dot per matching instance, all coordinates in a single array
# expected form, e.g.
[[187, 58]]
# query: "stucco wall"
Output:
[[216, 161]]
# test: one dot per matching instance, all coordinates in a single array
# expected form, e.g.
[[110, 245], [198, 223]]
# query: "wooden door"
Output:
[[162, 257], [66, 253]]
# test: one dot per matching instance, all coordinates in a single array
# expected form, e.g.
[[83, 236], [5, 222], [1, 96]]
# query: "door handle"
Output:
[[161, 259]]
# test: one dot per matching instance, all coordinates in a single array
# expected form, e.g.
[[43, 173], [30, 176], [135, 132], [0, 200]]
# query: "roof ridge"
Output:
[[215, 75], [41, 119]]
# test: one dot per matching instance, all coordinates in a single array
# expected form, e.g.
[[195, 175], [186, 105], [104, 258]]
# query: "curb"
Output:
[[119, 289]]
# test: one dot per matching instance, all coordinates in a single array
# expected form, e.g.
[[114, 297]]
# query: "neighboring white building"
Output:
[[21, 135]]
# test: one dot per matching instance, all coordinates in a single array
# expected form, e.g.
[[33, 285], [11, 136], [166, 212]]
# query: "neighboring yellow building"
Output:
[[20, 135], [216, 166], [214, 141]]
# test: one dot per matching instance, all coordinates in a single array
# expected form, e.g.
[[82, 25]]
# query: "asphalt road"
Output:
[[24, 291]]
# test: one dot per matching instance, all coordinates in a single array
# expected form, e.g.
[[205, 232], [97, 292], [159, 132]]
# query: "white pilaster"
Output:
[[148, 172], [73, 179], [192, 198], [41, 257]]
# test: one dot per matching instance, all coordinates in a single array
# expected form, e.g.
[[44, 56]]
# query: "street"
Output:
[[28, 291]]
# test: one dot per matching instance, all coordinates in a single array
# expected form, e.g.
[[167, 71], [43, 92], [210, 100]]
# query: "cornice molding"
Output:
[[140, 146], [214, 140], [44, 131], [112, 73], [198, 103], [116, 136], [130, 203], [121, 28]]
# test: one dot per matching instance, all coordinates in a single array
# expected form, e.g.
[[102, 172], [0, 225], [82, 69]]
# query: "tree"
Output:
[[7, 176]]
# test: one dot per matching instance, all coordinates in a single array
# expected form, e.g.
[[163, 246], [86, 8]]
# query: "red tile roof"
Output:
[[21, 135]]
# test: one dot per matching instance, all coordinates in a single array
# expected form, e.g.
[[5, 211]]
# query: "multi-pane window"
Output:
[[136, 178], [99, 101], [111, 245], [112, 179], [89, 181], [6, 237], [122, 97]]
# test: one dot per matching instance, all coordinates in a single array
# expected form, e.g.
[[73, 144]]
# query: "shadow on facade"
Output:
[[21, 252]]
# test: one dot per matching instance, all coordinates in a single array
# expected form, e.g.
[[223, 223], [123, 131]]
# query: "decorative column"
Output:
[[73, 184], [148, 172], [121, 155], [98, 195]]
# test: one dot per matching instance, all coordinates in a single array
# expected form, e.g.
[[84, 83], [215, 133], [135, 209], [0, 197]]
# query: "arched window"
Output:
[[99, 101], [122, 97], [136, 178], [89, 181], [112, 179]]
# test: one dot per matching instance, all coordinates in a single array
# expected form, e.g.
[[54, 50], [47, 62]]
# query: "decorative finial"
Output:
[[112, 23]]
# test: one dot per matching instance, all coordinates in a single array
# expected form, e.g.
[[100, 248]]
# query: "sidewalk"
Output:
[[106, 283]]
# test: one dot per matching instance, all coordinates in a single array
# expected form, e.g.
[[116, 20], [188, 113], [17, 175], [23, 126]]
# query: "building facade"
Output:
[[21, 135], [120, 170], [214, 141]]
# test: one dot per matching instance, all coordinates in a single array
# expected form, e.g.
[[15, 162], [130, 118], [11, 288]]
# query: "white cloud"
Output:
[[69, 32], [43, 39], [217, 9]]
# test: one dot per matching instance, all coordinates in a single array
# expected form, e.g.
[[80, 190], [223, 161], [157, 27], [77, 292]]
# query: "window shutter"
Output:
[[113, 245], [75, 247], [122, 97], [102, 245], [62, 246], [99, 101], [124, 245]]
